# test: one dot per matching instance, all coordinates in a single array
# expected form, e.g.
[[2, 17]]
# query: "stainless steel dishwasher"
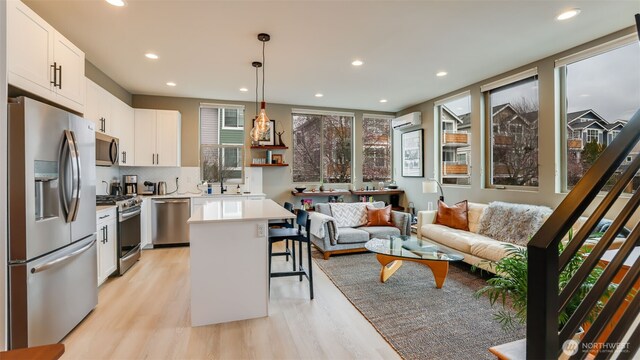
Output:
[[169, 221]]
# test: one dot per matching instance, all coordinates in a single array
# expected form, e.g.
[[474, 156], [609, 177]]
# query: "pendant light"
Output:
[[258, 128], [262, 124]]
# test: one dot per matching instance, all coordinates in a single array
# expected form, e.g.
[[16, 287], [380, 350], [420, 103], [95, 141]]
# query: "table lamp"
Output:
[[431, 186]]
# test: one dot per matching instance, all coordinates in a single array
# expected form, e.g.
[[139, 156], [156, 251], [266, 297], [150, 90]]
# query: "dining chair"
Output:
[[295, 235]]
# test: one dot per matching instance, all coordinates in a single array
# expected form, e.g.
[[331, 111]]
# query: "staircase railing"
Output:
[[546, 301]]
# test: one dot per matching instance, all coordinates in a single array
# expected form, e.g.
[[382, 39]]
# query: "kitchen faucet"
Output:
[[222, 188]]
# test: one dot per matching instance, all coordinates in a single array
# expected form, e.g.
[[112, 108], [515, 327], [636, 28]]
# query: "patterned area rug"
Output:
[[418, 320]]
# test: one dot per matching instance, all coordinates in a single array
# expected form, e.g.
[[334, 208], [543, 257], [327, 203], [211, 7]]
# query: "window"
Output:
[[455, 139], [601, 94], [513, 115], [221, 146], [233, 119], [376, 148], [322, 149], [593, 135]]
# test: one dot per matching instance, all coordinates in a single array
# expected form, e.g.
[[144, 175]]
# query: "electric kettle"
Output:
[[162, 188]]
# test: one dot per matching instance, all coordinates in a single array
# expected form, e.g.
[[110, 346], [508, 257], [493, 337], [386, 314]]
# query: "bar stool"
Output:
[[288, 224], [275, 235]]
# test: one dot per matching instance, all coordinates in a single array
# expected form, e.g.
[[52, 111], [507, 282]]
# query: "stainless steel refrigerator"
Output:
[[52, 222]]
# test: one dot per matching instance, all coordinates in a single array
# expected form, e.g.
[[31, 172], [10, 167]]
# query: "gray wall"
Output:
[[277, 181], [102, 79], [548, 150]]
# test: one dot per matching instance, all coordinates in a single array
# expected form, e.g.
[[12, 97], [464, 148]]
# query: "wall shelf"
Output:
[[378, 192], [268, 165], [269, 147], [320, 193]]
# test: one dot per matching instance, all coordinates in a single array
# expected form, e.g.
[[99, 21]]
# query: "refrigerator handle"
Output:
[[78, 177], [70, 206], [45, 266]]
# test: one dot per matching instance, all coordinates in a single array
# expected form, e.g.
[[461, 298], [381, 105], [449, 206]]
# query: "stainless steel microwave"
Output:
[[106, 150]]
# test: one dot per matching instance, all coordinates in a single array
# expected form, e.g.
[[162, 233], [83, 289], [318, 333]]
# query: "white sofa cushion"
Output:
[[490, 249], [474, 215], [456, 239]]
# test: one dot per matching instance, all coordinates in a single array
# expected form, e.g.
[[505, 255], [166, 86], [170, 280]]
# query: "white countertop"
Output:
[[225, 210], [187, 195], [100, 208]]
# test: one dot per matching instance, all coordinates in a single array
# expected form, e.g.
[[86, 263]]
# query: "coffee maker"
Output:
[[130, 184]]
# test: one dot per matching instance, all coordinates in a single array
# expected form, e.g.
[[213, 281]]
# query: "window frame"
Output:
[[322, 114], [439, 138], [488, 127], [391, 162], [242, 147], [560, 67], [222, 117]]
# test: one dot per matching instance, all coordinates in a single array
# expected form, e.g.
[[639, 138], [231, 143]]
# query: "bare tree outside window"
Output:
[[514, 140], [602, 93], [376, 144], [322, 148]]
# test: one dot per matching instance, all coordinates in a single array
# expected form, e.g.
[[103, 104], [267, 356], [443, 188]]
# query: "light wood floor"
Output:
[[145, 314]]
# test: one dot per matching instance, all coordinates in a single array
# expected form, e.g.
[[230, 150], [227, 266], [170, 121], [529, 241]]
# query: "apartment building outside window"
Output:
[[455, 139], [512, 113], [600, 93], [221, 143], [376, 148], [322, 146]]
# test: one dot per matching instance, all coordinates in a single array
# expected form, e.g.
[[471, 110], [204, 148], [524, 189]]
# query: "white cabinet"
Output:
[[112, 117], [157, 137], [41, 60], [107, 251], [124, 129]]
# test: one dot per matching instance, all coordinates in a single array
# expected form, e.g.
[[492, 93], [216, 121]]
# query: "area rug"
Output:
[[418, 320]]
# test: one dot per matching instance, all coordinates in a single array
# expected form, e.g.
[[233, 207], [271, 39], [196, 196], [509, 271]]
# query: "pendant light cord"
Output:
[[257, 92], [263, 67]]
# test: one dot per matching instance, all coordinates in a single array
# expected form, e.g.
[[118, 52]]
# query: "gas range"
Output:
[[123, 202]]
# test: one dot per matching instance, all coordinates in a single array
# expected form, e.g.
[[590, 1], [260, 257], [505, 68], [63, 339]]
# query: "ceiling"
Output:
[[207, 47]]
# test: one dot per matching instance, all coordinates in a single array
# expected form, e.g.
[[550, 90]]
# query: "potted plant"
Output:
[[509, 287]]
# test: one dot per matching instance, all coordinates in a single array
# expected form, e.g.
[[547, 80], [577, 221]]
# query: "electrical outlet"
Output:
[[262, 230]]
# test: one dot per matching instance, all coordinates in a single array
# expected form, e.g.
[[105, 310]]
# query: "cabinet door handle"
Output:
[[106, 237], [157, 159], [55, 75], [60, 77], [153, 158], [124, 157]]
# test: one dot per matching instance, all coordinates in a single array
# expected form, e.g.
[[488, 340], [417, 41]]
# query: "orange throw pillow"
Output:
[[455, 216], [379, 217]]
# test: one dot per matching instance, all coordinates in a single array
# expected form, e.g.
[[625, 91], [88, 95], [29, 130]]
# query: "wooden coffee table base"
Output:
[[391, 264]]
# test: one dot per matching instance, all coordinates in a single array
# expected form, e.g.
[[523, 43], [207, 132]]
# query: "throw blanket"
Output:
[[512, 223], [349, 214], [318, 220]]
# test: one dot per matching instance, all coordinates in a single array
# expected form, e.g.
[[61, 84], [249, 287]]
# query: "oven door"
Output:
[[106, 150], [128, 238]]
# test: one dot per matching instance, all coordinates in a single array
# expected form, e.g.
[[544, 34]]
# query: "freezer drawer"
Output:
[[51, 295], [169, 221]]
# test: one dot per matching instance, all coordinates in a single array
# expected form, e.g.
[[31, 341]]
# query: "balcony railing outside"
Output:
[[452, 138], [455, 168], [574, 144]]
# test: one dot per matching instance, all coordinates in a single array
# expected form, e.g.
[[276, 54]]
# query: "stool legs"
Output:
[[310, 269]]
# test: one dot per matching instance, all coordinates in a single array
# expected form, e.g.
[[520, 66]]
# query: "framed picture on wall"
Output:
[[412, 157], [270, 137]]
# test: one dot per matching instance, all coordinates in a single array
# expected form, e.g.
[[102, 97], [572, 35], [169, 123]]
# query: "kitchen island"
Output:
[[229, 259]]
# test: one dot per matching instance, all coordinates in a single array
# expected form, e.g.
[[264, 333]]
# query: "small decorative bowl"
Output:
[[393, 187], [300, 189]]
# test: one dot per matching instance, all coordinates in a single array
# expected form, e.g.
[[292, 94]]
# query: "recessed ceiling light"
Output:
[[151, 56], [116, 2], [568, 14], [584, 95], [244, 89], [319, 95], [383, 100], [441, 73], [171, 83], [357, 63]]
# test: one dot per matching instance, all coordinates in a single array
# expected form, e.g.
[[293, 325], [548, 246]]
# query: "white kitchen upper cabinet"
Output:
[[70, 62], [100, 108], [41, 60], [124, 129], [145, 137], [168, 138], [92, 99], [29, 50], [157, 137]]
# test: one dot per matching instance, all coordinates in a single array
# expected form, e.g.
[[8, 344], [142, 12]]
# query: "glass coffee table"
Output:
[[392, 252]]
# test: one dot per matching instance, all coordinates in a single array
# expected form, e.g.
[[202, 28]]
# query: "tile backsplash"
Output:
[[188, 178]]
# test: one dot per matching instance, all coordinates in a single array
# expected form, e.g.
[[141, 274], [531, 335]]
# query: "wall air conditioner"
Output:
[[408, 121]]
